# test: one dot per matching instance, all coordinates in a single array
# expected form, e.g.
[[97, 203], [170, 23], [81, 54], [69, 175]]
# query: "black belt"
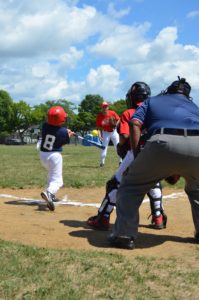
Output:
[[177, 131]]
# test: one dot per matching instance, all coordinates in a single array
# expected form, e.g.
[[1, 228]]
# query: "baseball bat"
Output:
[[96, 144]]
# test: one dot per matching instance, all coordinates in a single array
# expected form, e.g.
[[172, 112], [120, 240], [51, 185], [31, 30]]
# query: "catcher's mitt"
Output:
[[112, 122], [173, 179]]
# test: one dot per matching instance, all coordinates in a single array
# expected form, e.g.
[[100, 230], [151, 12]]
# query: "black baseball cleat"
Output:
[[48, 198], [54, 198], [123, 242]]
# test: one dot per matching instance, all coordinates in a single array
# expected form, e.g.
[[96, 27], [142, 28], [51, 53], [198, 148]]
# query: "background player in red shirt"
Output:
[[106, 123]]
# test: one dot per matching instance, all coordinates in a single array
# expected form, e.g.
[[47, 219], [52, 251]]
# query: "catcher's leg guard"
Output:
[[159, 218], [109, 200], [101, 220], [112, 184]]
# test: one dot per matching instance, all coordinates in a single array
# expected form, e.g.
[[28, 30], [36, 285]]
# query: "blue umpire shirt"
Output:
[[167, 111], [53, 138]]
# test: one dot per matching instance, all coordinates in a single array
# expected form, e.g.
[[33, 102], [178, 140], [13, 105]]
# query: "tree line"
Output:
[[20, 117]]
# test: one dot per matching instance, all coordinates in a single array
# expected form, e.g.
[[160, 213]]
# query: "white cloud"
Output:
[[70, 58], [193, 14], [125, 44], [117, 13], [165, 60], [39, 30], [57, 90], [104, 80], [41, 69], [62, 50]]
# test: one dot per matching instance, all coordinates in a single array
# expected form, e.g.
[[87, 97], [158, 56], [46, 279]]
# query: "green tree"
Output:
[[77, 125], [40, 111], [22, 118], [39, 114], [68, 106], [91, 104], [6, 111], [88, 110], [86, 122], [119, 106]]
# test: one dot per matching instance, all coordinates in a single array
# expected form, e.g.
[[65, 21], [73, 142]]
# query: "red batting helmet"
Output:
[[56, 116]]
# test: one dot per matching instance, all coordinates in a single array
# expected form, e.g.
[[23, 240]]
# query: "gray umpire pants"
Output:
[[162, 156]]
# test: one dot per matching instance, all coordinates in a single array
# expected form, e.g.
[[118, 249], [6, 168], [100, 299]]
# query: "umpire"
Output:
[[172, 147]]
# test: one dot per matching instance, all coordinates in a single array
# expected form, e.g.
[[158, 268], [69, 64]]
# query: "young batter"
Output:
[[54, 136]]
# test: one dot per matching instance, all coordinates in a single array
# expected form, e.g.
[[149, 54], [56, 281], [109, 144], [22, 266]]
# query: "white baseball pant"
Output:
[[53, 162], [129, 157], [107, 136]]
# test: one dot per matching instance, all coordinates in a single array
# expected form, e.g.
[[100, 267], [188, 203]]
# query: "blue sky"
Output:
[[54, 49]]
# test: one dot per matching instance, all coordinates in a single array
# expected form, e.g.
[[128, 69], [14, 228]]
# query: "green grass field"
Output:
[[38, 273], [22, 169]]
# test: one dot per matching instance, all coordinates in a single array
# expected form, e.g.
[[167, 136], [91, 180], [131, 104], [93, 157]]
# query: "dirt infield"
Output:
[[34, 224]]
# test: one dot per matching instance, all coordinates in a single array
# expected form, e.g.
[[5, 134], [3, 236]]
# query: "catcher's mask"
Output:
[[56, 116], [138, 92], [179, 86]]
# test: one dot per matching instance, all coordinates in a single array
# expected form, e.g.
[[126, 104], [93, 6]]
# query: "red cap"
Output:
[[104, 104]]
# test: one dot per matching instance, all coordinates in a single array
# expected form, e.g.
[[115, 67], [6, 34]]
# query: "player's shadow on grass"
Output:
[[99, 239]]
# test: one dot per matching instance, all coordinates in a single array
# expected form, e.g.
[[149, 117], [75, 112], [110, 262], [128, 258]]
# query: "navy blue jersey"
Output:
[[53, 138], [167, 111]]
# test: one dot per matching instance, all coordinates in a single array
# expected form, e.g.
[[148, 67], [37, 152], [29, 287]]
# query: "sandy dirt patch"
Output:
[[66, 227]]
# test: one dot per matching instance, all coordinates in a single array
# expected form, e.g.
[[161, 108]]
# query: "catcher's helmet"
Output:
[[179, 86], [138, 92], [56, 116]]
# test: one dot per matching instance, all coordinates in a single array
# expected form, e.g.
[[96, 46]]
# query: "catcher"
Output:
[[138, 92]]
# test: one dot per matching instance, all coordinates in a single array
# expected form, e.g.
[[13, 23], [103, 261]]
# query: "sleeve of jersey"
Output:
[[65, 136], [116, 116], [140, 112], [98, 122], [124, 127]]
